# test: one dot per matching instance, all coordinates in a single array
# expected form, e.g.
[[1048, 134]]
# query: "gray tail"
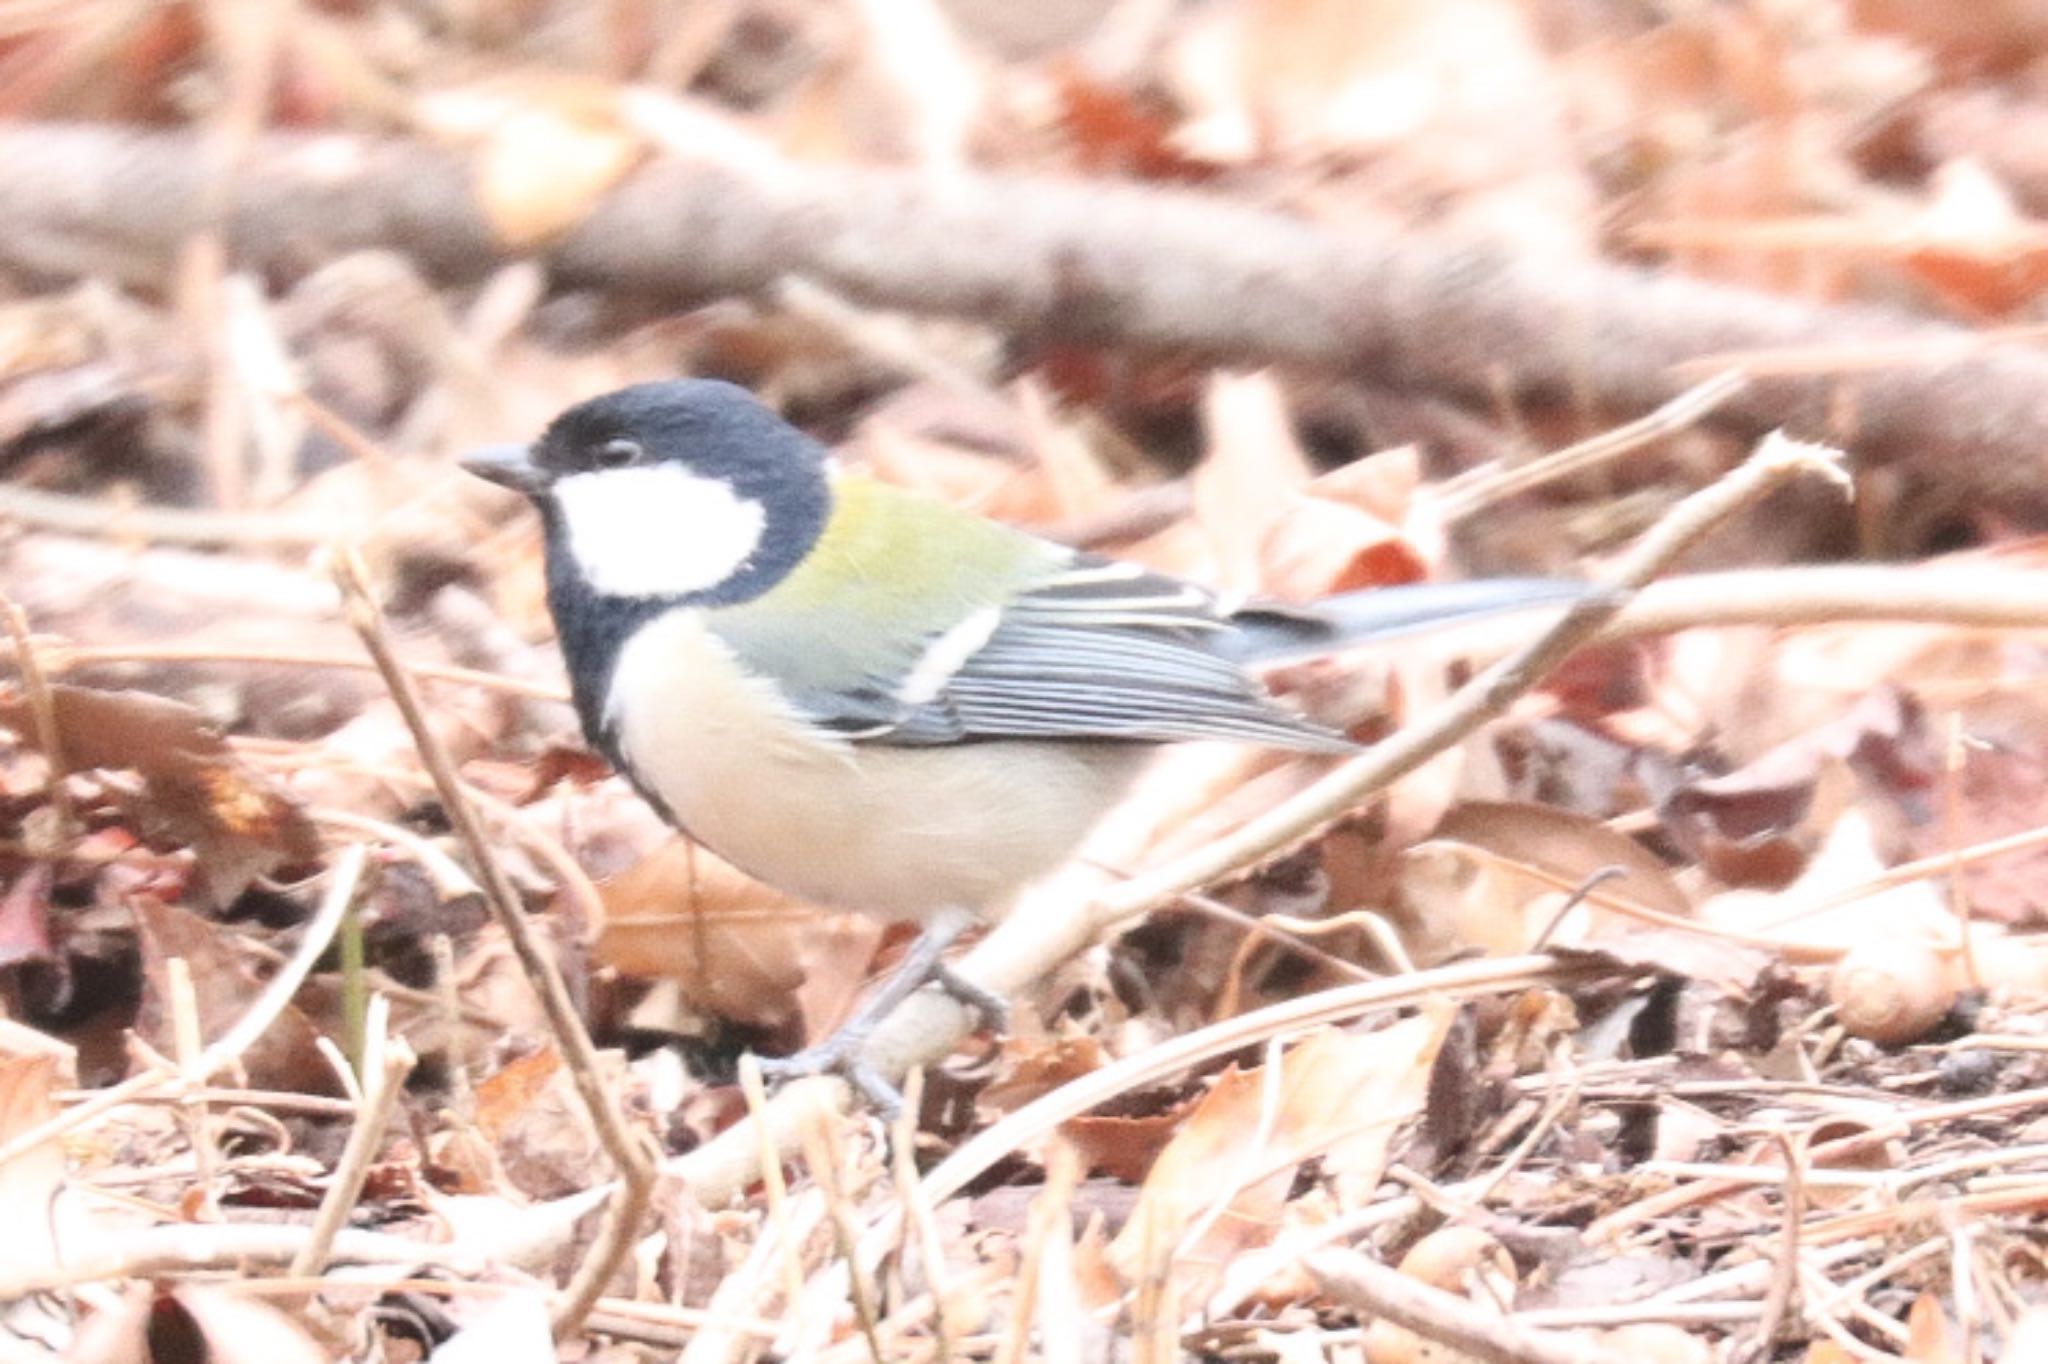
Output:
[[1269, 634]]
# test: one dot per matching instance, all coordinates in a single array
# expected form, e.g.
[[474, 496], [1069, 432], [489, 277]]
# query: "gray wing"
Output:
[[1101, 651]]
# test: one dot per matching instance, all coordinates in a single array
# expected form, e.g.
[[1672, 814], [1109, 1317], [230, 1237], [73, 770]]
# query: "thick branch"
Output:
[[1063, 259]]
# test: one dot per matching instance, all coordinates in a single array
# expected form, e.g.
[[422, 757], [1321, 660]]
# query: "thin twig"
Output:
[[187, 1049], [1962, 593], [774, 1188], [1963, 1288], [42, 706], [1475, 490], [238, 1247], [386, 1063], [919, 1220], [1785, 1278], [636, 1171], [63, 656], [1369, 1287], [823, 1147], [1051, 1217], [123, 519]]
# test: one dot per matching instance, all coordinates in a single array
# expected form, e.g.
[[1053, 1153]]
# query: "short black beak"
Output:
[[509, 466]]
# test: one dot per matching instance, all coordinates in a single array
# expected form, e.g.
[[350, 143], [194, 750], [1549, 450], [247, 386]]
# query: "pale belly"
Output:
[[901, 833]]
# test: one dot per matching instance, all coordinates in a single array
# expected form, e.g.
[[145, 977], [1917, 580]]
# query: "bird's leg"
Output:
[[992, 1008], [842, 1053]]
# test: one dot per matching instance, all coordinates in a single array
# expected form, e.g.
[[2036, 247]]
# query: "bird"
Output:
[[874, 700]]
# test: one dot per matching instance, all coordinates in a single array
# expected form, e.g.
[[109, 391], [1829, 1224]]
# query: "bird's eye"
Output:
[[616, 454]]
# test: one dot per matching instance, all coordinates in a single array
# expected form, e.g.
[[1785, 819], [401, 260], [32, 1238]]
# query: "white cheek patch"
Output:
[[657, 530]]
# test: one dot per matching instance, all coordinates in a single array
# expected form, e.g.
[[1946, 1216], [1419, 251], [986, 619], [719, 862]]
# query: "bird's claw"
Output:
[[843, 1053], [990, 1007], [840, 1054]]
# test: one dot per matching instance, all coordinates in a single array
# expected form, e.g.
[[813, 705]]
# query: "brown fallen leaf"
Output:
[[544, 167], [1118, 131], [738, 949], [1122, 1148], [1314, 548], [196, 793], [1493, 875], [285, 1057], [1221, 1184], [1748, 827], [1249, 474], [32, 1179], [1929, 1336], [1973, 247], [1675, 952]]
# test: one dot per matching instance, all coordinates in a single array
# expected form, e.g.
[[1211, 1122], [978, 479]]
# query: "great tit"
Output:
[[873, 700]]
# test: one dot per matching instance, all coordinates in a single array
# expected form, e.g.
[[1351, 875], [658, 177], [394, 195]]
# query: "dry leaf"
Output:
[[1850, 859], [285, 1057], [542, 169], [1657, 1342], [1253, 466], [539, 1135], [1122, 1148], [506, 1093], [1928, 1333], [1226, 1174], [1455, 1259], [29, 1182], [1494, 874], [25, 916], [1314, 547], [1116, 131], [196, 792], [1038, 1066], [1745, 827], [737, 948], [1676, 952], [1001, 489], [207, 1322], [1973, 247], [1364, 524]]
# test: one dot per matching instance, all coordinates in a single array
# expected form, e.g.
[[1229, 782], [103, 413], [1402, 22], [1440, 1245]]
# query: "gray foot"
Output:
[[843, 1053], [992, 1008]]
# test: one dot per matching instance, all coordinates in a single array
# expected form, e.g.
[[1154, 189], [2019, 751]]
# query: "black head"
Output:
[[685, 493], [689, 490]]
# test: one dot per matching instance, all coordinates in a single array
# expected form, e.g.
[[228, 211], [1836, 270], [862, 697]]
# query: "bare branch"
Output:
[[1087, 262]]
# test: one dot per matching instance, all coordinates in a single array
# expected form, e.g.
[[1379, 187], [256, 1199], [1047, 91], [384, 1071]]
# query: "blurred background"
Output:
[[1287, 296]]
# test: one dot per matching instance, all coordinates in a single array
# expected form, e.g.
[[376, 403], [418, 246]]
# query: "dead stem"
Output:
[[387, 1062], [636, 1171], [65, 657], [1785, 1276], [42, 706], [112, 517], [1477, 489], [1369, 1287]]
